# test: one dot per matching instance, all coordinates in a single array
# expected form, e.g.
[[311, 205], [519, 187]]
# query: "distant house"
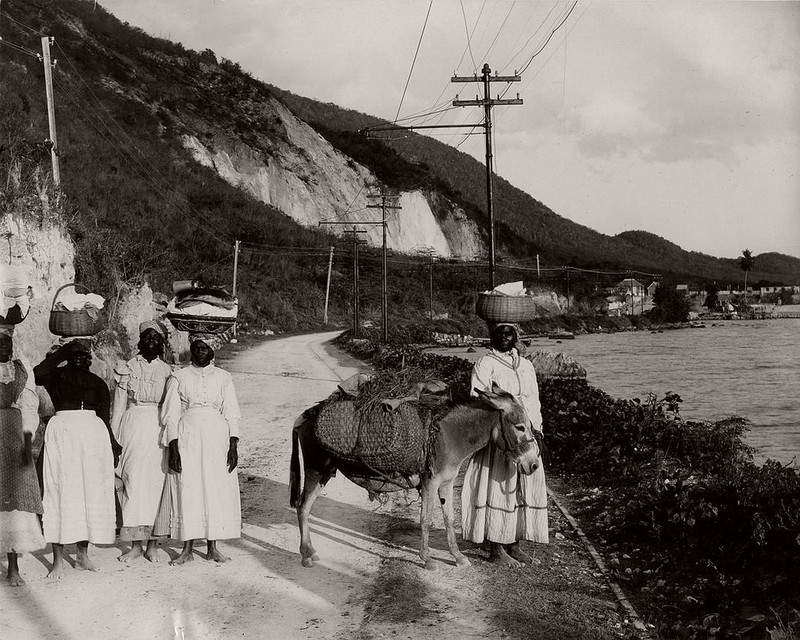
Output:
[[651, 288], [682, 288], [631, 287]]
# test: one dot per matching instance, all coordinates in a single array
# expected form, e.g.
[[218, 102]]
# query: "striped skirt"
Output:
[[78, 478], [500, 504]]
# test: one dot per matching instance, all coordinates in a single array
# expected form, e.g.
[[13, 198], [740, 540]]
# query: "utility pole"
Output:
[[235, 273], [538, 273], [487, 103], [387, 202], [354, 231], [51, 112], [328, 288]]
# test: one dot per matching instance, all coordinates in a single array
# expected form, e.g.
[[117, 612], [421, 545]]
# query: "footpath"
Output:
[[369, 582]]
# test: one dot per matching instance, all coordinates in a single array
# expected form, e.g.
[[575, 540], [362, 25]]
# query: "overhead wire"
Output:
[[499, 31], [414, 61], [549, 37]]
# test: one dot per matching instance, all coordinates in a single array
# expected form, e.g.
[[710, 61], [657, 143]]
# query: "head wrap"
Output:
[[7, 330], [151, 324], [493, 326], [213, 340], [80, 344]]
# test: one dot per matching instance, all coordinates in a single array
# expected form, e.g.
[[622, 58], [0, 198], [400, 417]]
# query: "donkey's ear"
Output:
[[494, 400]]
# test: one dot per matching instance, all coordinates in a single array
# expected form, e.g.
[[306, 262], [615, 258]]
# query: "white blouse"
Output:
[[513, 374], [194, 387]]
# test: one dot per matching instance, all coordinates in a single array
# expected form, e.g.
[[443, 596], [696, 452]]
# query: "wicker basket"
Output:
[[201, 324], [494, 307], [73, 323]]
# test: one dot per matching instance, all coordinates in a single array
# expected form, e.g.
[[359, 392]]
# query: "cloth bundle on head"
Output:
[[81, 344], [213, 340], [151, 324], [496, 325]]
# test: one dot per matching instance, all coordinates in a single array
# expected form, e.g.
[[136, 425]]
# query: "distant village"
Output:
[[631, 297]]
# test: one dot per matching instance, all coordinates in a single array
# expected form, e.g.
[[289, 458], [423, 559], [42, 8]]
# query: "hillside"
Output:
[[168, 156]]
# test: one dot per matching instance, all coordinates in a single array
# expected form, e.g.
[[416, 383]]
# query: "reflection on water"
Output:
[[746, 368]]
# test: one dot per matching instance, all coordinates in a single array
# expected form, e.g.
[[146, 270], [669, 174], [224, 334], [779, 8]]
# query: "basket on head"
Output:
[[494, 307], [201, 324], [80, 322]]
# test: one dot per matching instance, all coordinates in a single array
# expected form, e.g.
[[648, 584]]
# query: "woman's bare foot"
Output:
[[499, 555], [153, 553], [13, 577], [82, 557], [57, 571], [134, 552], [186, 554], [518, 554], [214, 553]]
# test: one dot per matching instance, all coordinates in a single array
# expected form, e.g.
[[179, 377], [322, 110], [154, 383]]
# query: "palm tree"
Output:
[[746, 263]]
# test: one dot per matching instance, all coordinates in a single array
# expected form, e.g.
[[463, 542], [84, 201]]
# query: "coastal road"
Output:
[[369, 582]]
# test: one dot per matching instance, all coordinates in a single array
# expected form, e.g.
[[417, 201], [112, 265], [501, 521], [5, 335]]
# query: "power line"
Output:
[[413, 62]]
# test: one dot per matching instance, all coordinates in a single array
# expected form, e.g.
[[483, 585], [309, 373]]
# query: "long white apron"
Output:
[[142, 468], [204, 498], [78, 479]]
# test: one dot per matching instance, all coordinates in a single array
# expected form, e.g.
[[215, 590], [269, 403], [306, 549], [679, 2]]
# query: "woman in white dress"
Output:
[[498, 503], [201, 419], [139, 389], [20, 498]]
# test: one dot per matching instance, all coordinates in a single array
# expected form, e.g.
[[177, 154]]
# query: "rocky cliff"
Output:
[[302, 175]]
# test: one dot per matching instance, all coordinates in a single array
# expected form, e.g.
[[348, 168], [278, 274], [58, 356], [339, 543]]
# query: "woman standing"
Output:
[[500, 504], [201, 419], [20, 498], [138, 394], [80, 453]]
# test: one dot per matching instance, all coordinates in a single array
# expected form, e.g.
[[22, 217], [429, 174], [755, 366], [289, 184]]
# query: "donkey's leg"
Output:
[[446, 500], [311, 490], [425, 519]]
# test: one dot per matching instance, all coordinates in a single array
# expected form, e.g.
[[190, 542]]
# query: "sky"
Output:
[[677, 118]]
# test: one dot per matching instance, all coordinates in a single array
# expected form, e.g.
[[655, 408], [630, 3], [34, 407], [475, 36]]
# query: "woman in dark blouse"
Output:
[[80, 453]]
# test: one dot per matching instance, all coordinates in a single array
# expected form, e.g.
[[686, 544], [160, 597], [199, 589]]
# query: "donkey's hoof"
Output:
[[309, 562], [315, 556], [463, 561]]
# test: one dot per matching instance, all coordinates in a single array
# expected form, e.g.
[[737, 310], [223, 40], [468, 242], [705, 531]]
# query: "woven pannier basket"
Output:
[[494, 307], [387, 441], [73, 323]]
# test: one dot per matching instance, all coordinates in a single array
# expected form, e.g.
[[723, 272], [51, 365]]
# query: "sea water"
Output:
[[745, 368]]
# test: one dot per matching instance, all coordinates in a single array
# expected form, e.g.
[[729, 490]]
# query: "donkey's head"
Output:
[[513, 435]]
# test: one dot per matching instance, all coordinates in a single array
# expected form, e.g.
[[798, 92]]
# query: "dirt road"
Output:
[[368, 584]]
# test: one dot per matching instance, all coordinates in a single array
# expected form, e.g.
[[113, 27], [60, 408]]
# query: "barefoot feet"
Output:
[[134, 552]]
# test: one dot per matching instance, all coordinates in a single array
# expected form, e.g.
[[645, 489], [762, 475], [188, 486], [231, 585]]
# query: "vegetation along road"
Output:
[[369, 582]]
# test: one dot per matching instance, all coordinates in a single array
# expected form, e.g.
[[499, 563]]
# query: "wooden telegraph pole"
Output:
[[51, 111], [235, 273], [387, 202], [328, 288], [487, 103]]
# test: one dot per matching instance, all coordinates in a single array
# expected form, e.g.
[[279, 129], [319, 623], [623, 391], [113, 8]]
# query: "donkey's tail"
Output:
[[294, 470]]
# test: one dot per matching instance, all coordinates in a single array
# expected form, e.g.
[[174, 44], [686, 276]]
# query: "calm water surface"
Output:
[[746, 368]]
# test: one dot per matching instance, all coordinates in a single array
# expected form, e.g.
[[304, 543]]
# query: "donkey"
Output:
[[468, 427]]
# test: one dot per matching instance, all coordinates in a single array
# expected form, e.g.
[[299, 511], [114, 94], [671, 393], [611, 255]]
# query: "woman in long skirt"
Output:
[[80, 453], [201, 418], [138, 394], [498, 503], [20, 498]]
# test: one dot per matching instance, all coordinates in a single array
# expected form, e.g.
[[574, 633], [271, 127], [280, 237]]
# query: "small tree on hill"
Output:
[[746, 263], [669, 305], [712, 299]]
